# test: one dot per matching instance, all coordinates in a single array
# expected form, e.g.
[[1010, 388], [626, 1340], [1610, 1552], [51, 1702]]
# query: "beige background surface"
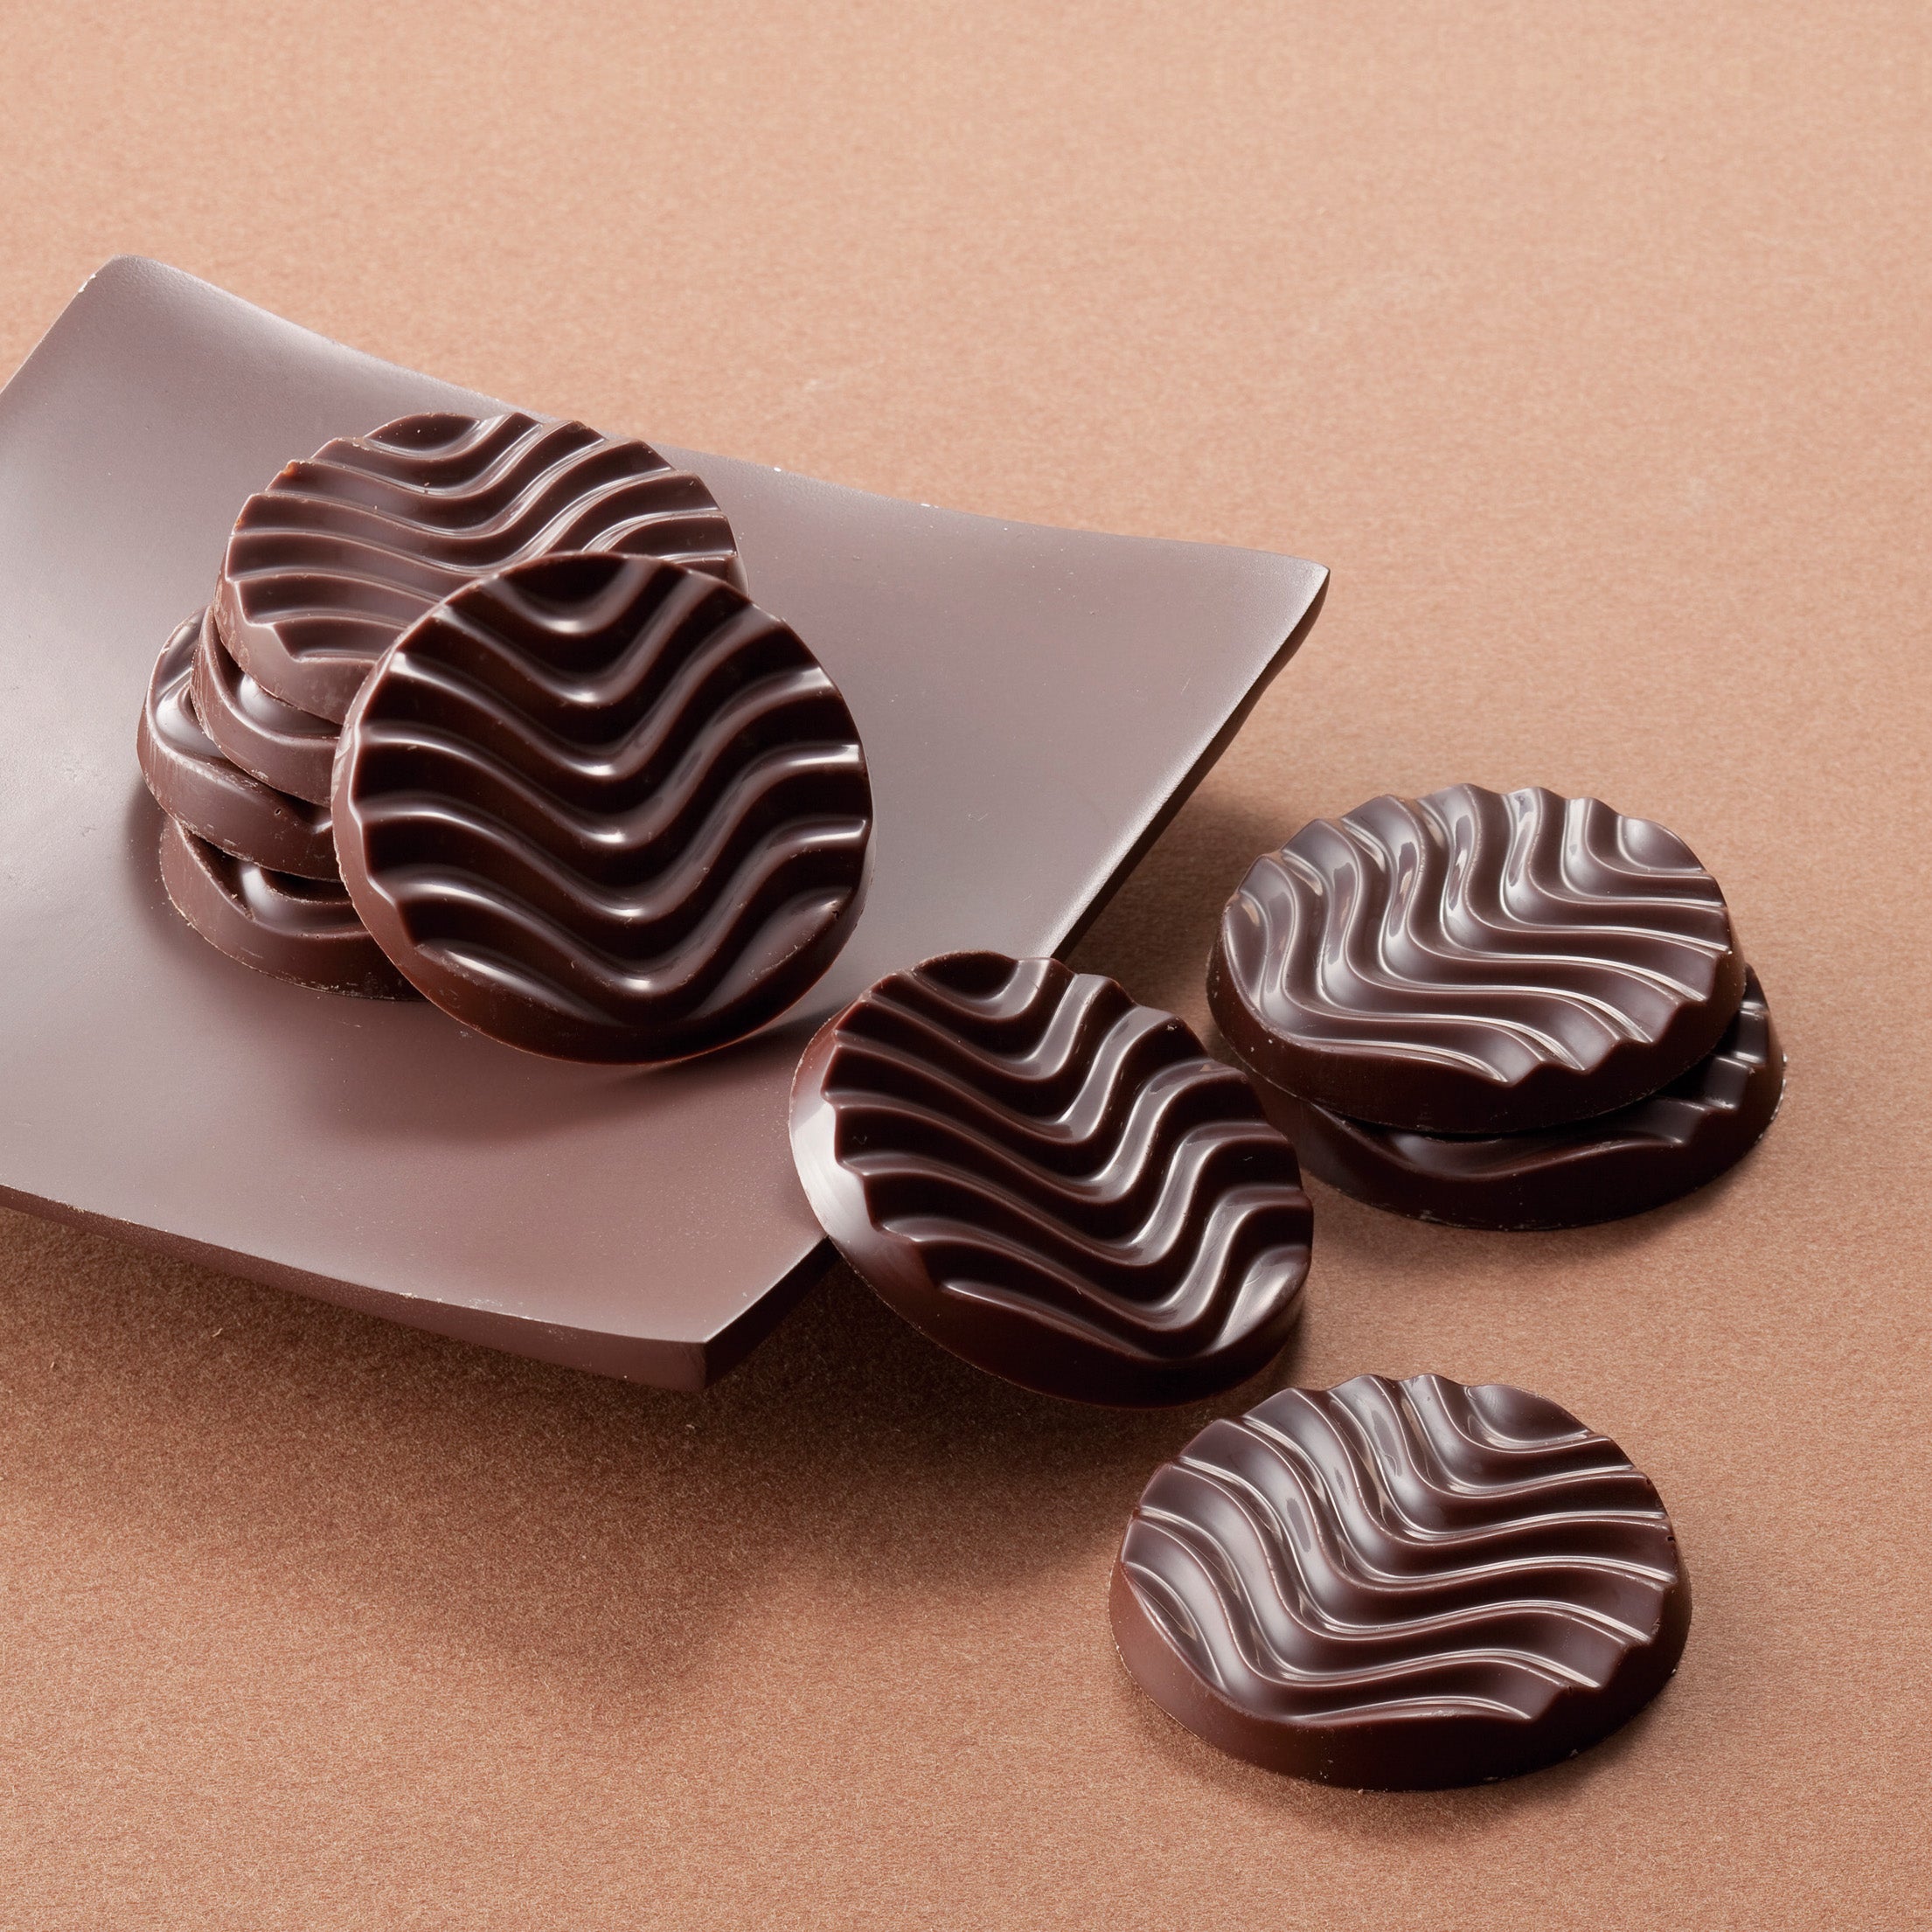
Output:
[[1589, 347]]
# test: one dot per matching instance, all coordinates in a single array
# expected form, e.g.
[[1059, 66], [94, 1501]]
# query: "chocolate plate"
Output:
[[1034, 705]]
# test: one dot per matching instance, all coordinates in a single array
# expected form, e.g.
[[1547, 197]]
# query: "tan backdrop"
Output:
[[1589, 346]]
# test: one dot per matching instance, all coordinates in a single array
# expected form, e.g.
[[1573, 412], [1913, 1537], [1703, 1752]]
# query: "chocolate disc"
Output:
[[343, 551], [604, 808], [302, 930], [1401, 1585], [1476, 961], [1640, 1156], [1053, 1182], [292, 750], [192, 782]]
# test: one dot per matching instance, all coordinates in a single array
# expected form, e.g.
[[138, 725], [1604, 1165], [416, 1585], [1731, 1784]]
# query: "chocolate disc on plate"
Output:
[[1400, 1586], [1476, 961], [293, 750], [604, 808], [302, 930], [1053, 1182], [1642, 1155], [343, 551], [192, 782]]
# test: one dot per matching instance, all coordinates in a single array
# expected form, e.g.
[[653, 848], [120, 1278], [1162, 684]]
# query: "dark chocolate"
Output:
[[342, 553], [1053, 1182], [604, 808], [1652, 1151], [193, 782], [1401, 1585], [303, 929], [292, 750], [1476, 961]]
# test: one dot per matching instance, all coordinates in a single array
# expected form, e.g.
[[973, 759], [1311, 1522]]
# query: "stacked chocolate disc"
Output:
[[1497, 1009], [481, 711]]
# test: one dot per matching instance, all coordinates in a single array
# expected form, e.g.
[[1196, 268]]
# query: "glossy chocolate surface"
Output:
[[342, 551], [1476, 961], [300, 929], [1652, 1151], [1401, 1585], [194, 782], [645, 1223], [1056, 1184], [604, 808], [292, 750]]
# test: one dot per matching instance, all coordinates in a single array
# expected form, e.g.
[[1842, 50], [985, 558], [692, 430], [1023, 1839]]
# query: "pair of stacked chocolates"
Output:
[[1497, 1010], [481, 711]]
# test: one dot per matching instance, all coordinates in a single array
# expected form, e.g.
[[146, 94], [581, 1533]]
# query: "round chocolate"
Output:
[[302, 930], [1652, 1151], [292, 750], [1400, 1586], [193, 782], [604, 808], [1476, 961], [341, 553], [1053, 1182]]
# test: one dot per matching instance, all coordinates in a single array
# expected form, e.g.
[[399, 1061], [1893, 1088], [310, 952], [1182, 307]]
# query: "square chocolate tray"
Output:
[[1035, 704]]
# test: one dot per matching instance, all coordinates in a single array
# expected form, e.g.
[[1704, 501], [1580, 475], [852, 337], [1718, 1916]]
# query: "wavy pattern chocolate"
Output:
[[1652, 1151], [1476, 961], [1401, 1585], [302, 930], [193, 782], [341, 553], [292, 750], [1056, 1184], [606, 808]]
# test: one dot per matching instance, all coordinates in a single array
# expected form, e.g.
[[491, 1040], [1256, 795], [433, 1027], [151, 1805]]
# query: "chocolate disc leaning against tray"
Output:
[[1652, 1151], [194, 782], [342, 553], [293, 750], [604, 808], [1053, 1182], [302, 930], [1476, 961], [1400, 1586]]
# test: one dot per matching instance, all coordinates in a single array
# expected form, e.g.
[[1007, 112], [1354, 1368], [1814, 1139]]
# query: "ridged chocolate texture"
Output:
[[605, 808], [1476, 961], [1401, 1585], [1054, 1182], [293, 750], [342, 553], [1652, 1151], [302, 930], [193, 782]]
